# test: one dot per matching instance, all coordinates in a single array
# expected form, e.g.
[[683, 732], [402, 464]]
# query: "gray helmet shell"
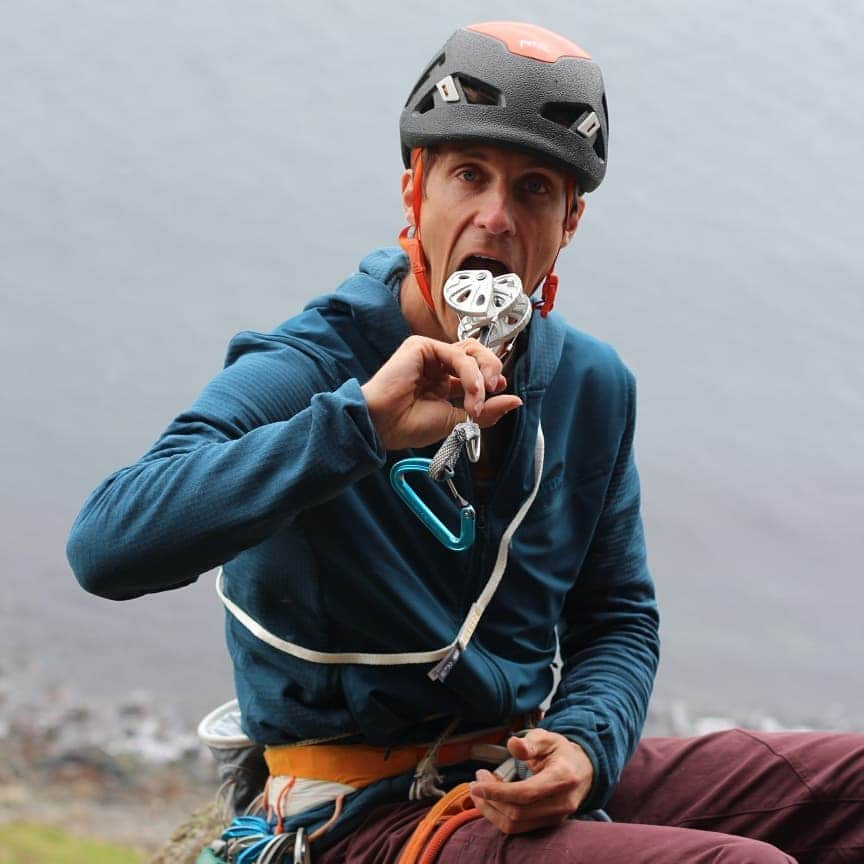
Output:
[[477, 89]]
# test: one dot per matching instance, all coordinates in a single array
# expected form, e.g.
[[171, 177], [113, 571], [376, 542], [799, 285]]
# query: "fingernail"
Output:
[[475, 792]]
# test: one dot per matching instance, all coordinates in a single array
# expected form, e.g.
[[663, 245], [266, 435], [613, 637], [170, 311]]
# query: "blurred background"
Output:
[[172, 173]]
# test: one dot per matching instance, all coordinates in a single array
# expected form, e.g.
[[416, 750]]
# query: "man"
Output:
[[374, 663]]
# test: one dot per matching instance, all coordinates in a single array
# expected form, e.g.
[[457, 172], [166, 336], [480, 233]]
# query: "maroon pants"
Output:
[[737, 796]]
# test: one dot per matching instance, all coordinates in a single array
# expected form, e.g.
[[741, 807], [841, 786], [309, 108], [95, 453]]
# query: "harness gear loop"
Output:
[[426, 777]]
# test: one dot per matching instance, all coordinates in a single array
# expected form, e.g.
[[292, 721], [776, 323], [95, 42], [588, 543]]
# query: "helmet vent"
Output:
[[479, 92], [600, 140], [581, 119], [427, 103], [438, 61], [566, 114], [600, 146]]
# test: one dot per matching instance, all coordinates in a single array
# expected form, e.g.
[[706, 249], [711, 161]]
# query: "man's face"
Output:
[[487, 208]]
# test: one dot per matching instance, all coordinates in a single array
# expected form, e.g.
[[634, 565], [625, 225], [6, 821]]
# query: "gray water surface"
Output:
[[173, 173]]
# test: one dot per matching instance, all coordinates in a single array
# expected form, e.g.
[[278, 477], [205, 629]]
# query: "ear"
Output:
[[408, 196], [572, 222]]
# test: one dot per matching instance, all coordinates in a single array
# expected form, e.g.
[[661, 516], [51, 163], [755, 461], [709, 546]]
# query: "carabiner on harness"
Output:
[[251, 840], [422, 511]]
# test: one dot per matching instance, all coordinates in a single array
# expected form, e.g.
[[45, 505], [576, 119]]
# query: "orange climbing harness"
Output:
[[358, 765], [307, 774]]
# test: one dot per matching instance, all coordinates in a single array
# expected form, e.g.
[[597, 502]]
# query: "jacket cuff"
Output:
[[348, 400], [580, 729]]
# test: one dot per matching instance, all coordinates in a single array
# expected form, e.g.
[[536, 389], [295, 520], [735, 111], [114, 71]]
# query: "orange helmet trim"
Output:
[[529, 40]]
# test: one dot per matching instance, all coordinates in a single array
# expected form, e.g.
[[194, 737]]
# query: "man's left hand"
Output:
[[562, 777]]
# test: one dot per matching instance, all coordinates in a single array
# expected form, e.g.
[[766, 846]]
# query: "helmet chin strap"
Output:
[[548, 292], [550, 283], [412, 245]]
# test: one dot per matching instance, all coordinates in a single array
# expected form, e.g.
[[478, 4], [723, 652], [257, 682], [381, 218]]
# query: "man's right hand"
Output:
[[410, 398]]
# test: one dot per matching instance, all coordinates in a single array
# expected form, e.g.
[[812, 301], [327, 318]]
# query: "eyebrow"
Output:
[[470, 152], [473, 152]]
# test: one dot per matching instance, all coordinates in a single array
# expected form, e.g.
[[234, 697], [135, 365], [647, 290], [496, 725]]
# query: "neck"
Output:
[[421, 320]]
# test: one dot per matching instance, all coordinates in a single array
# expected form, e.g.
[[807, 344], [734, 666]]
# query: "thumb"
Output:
[[531, 746], [520, 748], [496, 407]]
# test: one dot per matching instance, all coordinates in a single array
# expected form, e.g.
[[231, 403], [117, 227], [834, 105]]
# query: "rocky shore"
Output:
[[134, 772], [130, 774]]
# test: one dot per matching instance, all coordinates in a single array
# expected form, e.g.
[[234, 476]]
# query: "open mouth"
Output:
[[480, 262]]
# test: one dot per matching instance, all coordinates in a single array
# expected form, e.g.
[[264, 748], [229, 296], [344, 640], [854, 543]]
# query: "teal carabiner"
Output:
[[421, 510]]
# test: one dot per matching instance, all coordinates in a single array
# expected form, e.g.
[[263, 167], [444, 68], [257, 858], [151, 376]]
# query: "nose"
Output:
[[495, 211]]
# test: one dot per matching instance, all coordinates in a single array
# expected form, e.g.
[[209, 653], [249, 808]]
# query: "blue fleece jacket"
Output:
[[277, 473]]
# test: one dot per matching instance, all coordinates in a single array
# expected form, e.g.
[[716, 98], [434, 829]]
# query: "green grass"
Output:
[[26, 843]]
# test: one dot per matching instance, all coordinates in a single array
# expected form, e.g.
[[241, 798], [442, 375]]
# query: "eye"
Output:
[[468, 174], [537, 185]]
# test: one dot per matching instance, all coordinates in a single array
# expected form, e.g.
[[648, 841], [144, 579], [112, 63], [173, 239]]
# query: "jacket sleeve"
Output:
[[609, 632], [275, 432]]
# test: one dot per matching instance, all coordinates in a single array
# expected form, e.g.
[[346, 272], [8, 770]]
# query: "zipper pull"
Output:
[[444, 666]]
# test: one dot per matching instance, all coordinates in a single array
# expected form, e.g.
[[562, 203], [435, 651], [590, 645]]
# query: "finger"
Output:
[[432, 420], [534, 744], [547, 810], [435, 367], [443, 389], [456, 391], [519, 823], [495, 408], [544, 786], [551, 792], [487, 361], [466, 369]]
